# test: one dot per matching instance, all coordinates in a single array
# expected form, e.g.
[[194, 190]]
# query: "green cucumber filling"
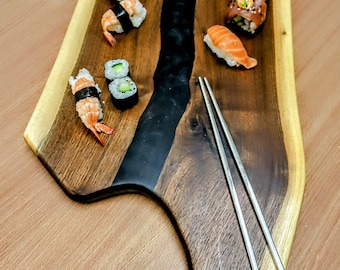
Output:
[[118, 68], [238, 20], [124, 87]]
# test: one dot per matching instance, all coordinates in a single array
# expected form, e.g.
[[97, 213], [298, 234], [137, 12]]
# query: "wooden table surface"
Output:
[[41, 228]]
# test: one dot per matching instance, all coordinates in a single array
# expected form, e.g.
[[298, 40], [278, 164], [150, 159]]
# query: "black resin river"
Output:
[[156, 129]]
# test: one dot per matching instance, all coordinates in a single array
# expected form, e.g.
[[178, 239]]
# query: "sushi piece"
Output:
[[247, 14], [115, 69], [124, 16], [124, 94], [226, 45], [88, 106]]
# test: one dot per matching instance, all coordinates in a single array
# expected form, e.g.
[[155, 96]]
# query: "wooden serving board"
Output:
[[164, 147]]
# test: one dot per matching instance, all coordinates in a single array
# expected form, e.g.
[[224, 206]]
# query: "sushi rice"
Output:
[[83, 73], [136, 19], [124, 93], [220, 53], [115, 69], [244, 24], [140, 15]]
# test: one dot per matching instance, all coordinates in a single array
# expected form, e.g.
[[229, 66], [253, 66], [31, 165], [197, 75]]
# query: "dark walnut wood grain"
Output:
[[71, 152], [191, 183]]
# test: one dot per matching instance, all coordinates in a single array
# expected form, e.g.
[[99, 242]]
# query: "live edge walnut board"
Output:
[[163, 146]]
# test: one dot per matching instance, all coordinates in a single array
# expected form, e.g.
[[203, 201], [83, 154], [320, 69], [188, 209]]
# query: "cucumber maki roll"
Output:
[[115, 69], [124, 94]]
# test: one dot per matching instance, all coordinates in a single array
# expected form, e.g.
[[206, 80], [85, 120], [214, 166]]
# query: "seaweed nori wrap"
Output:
[[124, 94], [86, 92], [123, 17]]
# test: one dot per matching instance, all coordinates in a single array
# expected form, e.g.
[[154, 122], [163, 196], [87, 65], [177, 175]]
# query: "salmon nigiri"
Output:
[[228, 46]]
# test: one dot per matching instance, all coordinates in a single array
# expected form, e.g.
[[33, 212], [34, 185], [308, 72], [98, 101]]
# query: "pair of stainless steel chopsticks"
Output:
[[205, 87]]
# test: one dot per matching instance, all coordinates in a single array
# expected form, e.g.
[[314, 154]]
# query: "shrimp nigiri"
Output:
[[88, 105], [225, 44], [124, 16]]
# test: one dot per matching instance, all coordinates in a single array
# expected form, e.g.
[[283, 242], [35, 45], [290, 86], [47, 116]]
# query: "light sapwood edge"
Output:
[[286, 223], [49, 102]]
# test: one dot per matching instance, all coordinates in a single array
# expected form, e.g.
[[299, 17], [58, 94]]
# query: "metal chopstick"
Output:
[[244, 176], [234, 197]]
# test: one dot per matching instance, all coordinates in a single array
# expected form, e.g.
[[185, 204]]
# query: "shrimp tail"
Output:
[[94, 131], [110, 38], [100, 127]]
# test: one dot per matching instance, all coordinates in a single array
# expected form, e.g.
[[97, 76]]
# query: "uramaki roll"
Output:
[[247, 14]]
